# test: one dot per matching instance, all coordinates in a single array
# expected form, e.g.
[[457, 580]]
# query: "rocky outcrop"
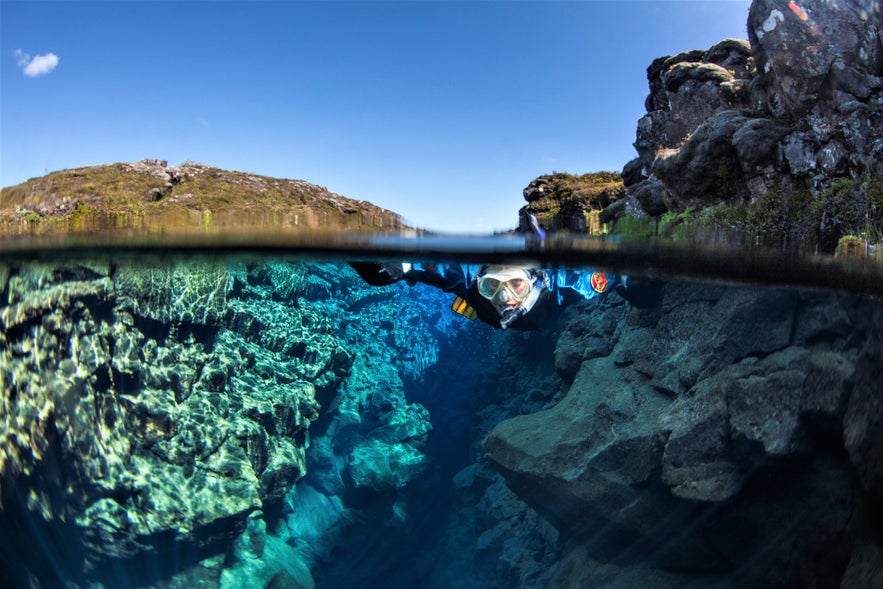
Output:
[[719, 428], [572, 203], [781, 133]]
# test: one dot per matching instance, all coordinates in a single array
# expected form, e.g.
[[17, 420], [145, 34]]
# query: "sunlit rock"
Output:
[[192, 293], [133, 413]]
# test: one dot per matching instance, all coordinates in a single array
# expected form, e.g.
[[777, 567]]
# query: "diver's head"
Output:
[[510, 288]]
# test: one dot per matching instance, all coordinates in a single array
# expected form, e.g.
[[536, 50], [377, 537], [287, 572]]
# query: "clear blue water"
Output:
[[253, 414]]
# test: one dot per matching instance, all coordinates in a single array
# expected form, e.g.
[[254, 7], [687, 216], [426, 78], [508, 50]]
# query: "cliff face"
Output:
[[790, 122], [779, 134], [150, 194]]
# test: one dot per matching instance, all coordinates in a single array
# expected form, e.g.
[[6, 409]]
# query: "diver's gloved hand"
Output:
[[642, 294], [378, 274]]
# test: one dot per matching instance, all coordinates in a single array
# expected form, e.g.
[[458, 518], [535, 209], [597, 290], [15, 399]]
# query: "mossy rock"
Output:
[[567, 201]]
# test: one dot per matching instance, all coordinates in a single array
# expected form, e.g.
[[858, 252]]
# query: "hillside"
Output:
[[151, 195]]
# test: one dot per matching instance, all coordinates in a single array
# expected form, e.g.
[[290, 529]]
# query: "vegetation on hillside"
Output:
[[152, 196]]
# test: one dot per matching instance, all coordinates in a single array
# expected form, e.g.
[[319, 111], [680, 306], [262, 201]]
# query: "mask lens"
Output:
[[519, 287], [516, 288], [488, 287]]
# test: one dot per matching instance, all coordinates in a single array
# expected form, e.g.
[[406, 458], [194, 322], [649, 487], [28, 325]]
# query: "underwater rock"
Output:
[[701, 330], [139, 417], [182, 293], [863, 420], [567, 463], [592, 334], [692, 436], [259, 559], [382, 466], [494, 539]]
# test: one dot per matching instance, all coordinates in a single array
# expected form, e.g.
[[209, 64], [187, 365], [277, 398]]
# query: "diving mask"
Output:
[[514, 283]]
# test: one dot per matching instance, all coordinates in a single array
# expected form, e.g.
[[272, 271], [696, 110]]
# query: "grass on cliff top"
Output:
[[585, 186], [847, 214], [132, 196]]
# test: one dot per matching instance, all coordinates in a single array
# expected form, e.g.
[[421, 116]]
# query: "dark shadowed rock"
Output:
[[567, 464], [863, 422], [722, 429], [706, 167], [815, 53]]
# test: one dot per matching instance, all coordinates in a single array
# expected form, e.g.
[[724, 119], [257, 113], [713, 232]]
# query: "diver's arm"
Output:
[[447, 277], [588, 284], [377, 274]]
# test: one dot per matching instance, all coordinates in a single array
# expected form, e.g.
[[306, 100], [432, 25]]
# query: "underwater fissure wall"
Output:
[[159, 421]]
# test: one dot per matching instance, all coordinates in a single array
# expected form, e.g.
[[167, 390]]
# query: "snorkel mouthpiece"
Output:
[[510, 316]]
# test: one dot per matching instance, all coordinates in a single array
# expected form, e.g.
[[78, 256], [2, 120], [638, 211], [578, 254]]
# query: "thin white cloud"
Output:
[[36, 66]]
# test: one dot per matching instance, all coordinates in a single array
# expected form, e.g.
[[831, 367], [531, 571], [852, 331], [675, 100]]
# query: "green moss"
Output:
[[82, 218], [631, 227], [848, 207], [571, 198], [850, 246]]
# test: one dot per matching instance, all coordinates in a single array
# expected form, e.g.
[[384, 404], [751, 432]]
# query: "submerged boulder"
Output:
[[714, 419], [144, 413]]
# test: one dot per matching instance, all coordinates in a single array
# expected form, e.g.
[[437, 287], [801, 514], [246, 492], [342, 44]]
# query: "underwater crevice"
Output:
[[33, 549], [158, 331], [357, 306], [199, 333]]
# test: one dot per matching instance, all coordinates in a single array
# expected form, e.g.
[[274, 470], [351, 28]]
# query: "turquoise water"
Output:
[[229, 413]]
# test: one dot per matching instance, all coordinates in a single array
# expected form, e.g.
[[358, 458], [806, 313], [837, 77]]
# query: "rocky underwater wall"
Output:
[[156, 416], [280, 424]]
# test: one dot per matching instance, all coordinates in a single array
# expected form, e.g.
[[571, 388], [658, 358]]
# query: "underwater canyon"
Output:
[[278, 423]]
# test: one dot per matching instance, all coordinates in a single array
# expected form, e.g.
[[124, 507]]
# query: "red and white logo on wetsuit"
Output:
[[599, 282]]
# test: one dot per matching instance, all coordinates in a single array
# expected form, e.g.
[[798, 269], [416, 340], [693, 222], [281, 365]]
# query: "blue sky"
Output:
[[440, 111]]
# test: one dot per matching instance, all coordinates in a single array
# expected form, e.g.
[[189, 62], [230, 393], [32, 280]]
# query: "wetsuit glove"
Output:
[[378, 274]]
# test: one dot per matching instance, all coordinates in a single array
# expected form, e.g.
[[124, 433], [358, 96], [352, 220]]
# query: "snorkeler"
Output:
[[517, 297]]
